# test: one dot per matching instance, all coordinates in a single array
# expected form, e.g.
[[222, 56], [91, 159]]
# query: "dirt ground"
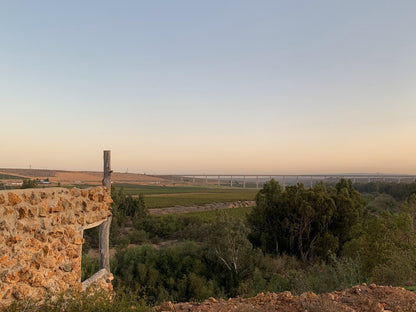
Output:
[[362, 298]]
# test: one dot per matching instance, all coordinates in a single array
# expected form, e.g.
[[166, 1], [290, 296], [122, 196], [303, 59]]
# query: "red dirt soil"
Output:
[[361, 298]]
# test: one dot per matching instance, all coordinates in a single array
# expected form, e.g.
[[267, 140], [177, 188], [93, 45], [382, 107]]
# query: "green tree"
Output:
[[386, 249], [306, 222], [28, 183], [228, 247]]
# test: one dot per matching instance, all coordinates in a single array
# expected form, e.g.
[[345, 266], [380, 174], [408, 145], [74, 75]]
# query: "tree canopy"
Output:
[[305, 222]]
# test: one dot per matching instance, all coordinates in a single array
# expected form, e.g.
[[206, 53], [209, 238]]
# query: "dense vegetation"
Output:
[[296, 238]]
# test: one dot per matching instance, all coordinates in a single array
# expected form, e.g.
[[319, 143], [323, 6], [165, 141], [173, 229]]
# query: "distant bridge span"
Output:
[[255, 180]]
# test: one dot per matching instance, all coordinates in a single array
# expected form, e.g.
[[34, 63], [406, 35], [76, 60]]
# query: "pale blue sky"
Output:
[[209, 86]]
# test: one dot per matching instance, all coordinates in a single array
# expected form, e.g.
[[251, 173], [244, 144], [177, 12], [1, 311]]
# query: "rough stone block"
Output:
[[41, 238], [13, 199]]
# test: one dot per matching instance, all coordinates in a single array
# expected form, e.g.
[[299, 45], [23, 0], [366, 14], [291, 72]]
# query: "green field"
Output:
[[9, 177], [167, 196], [159, 189]]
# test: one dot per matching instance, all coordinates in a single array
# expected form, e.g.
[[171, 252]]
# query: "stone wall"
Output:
[[41, 237]]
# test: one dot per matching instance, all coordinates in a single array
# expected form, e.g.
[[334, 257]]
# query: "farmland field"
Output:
[[168, 196], [8, 177]]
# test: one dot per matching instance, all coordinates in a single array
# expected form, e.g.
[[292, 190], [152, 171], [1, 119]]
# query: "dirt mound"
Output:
[[361, 298]]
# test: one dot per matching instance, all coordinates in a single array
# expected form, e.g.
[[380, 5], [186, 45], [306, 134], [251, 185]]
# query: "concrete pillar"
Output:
[[219, 181], [257, 181], [231, 181], [244, 182]]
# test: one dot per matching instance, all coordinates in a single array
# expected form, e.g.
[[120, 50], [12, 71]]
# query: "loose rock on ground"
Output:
[[362, 298]]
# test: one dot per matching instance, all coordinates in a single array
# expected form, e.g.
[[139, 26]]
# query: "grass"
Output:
[[122, 301], [211, 216], [410, 288]]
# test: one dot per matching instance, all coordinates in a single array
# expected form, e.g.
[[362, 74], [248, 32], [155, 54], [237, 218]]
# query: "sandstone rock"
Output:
[[7, 211], [41, 236], [10, 241], [22, 212], [75, 192], [24, 256], [3, 226], [56, 220], [34, 199], [79, 240], [56, 233], [67, 267], [37, 279], [4, 259], [20, 292], [9, 277], [66, 204], [41, 239], [13, 199], [43, 209]]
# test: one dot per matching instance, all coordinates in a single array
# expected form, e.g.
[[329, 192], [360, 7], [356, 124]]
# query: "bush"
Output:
[[122, 301]]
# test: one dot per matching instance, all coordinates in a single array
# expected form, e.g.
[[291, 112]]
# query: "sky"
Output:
[[209, 87]]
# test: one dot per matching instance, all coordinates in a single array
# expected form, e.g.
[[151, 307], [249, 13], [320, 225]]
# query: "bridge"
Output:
[[256, 180]]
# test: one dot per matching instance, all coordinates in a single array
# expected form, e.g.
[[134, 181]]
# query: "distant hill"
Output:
[[78, 177]]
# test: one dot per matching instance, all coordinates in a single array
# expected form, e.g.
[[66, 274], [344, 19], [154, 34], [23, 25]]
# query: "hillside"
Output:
[[82, 177]]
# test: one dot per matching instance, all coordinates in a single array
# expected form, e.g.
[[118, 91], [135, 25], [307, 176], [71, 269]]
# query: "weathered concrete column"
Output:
[[104, 242]]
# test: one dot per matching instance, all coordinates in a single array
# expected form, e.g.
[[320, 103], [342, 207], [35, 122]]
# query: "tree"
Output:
[[306, 222], [229, 249], [28, 183]]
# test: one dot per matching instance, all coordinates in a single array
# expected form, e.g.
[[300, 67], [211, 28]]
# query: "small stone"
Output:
[[67, 267]]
